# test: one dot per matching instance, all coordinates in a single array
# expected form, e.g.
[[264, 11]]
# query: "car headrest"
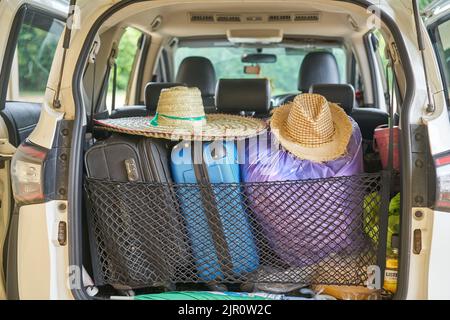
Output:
[[341, 94], [152, 92], [198, 72], [243, 95], [318, 67]]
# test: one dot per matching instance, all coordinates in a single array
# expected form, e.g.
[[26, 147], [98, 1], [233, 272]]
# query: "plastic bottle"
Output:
[[390, 274]]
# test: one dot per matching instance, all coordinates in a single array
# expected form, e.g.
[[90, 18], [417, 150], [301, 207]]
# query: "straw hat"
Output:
[[180, 115], [312, 128]]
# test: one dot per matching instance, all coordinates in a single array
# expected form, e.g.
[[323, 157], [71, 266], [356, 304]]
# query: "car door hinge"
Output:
[[423, 174]]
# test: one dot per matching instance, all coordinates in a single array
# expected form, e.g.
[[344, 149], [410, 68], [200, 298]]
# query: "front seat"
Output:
[[317, 68], [199, 72]]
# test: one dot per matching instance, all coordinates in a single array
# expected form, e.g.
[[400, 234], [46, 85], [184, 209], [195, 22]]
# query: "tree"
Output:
[[127, 51], [424, 3]]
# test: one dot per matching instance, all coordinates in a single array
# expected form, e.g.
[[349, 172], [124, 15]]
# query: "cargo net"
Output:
[[322, 231]]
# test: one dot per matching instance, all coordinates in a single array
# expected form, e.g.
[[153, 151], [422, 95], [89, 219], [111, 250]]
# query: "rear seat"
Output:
[[199, 72], [129, 111], [152, 92], [250, 97], [344, 94]]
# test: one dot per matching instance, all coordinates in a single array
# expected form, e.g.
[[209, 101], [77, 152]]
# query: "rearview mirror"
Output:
[[258, 58]]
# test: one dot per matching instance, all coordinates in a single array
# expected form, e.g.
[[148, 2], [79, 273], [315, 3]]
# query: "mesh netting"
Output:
[[315, 231]]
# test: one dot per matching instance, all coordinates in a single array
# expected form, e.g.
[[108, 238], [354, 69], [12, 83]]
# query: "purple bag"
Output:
[[304, 221]]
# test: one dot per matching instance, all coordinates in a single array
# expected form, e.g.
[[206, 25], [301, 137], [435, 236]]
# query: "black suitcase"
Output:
[[139, 242]]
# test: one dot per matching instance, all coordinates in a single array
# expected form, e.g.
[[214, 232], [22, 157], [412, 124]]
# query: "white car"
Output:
[[58, 72]]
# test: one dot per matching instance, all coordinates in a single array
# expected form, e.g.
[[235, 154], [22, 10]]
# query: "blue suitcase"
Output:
[[216, 219]]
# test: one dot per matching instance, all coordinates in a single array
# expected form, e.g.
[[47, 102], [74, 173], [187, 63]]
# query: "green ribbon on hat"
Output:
[[154, 121]]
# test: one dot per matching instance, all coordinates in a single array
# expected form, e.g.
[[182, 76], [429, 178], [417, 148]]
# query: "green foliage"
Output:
[[127, 51], [36, 49], [424, 3]]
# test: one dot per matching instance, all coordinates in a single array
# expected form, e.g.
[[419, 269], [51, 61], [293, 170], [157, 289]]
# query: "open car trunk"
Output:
[[159, 223], [164, 235]]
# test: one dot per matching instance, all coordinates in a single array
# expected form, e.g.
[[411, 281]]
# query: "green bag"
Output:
[[203, 295], [371, 216]]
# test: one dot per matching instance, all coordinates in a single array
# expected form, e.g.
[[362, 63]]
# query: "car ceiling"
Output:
[[341, 20]]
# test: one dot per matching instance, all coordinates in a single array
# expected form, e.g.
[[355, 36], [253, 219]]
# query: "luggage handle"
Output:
[[212, 213]]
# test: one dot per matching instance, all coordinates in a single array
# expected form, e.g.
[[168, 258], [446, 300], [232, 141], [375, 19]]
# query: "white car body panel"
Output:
[[42, 261], [418, 274], [439, 277], [44, 133]]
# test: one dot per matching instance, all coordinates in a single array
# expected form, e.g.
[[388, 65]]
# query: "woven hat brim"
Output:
[[219, 126], [329, 151]]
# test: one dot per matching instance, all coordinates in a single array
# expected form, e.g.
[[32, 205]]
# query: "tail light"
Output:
[[442, 163], [27, 173]]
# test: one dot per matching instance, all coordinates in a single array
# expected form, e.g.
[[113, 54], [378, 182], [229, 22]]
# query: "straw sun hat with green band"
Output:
[[180, 116]]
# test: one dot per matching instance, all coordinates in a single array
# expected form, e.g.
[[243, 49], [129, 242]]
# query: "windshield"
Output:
[[283, 74]]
